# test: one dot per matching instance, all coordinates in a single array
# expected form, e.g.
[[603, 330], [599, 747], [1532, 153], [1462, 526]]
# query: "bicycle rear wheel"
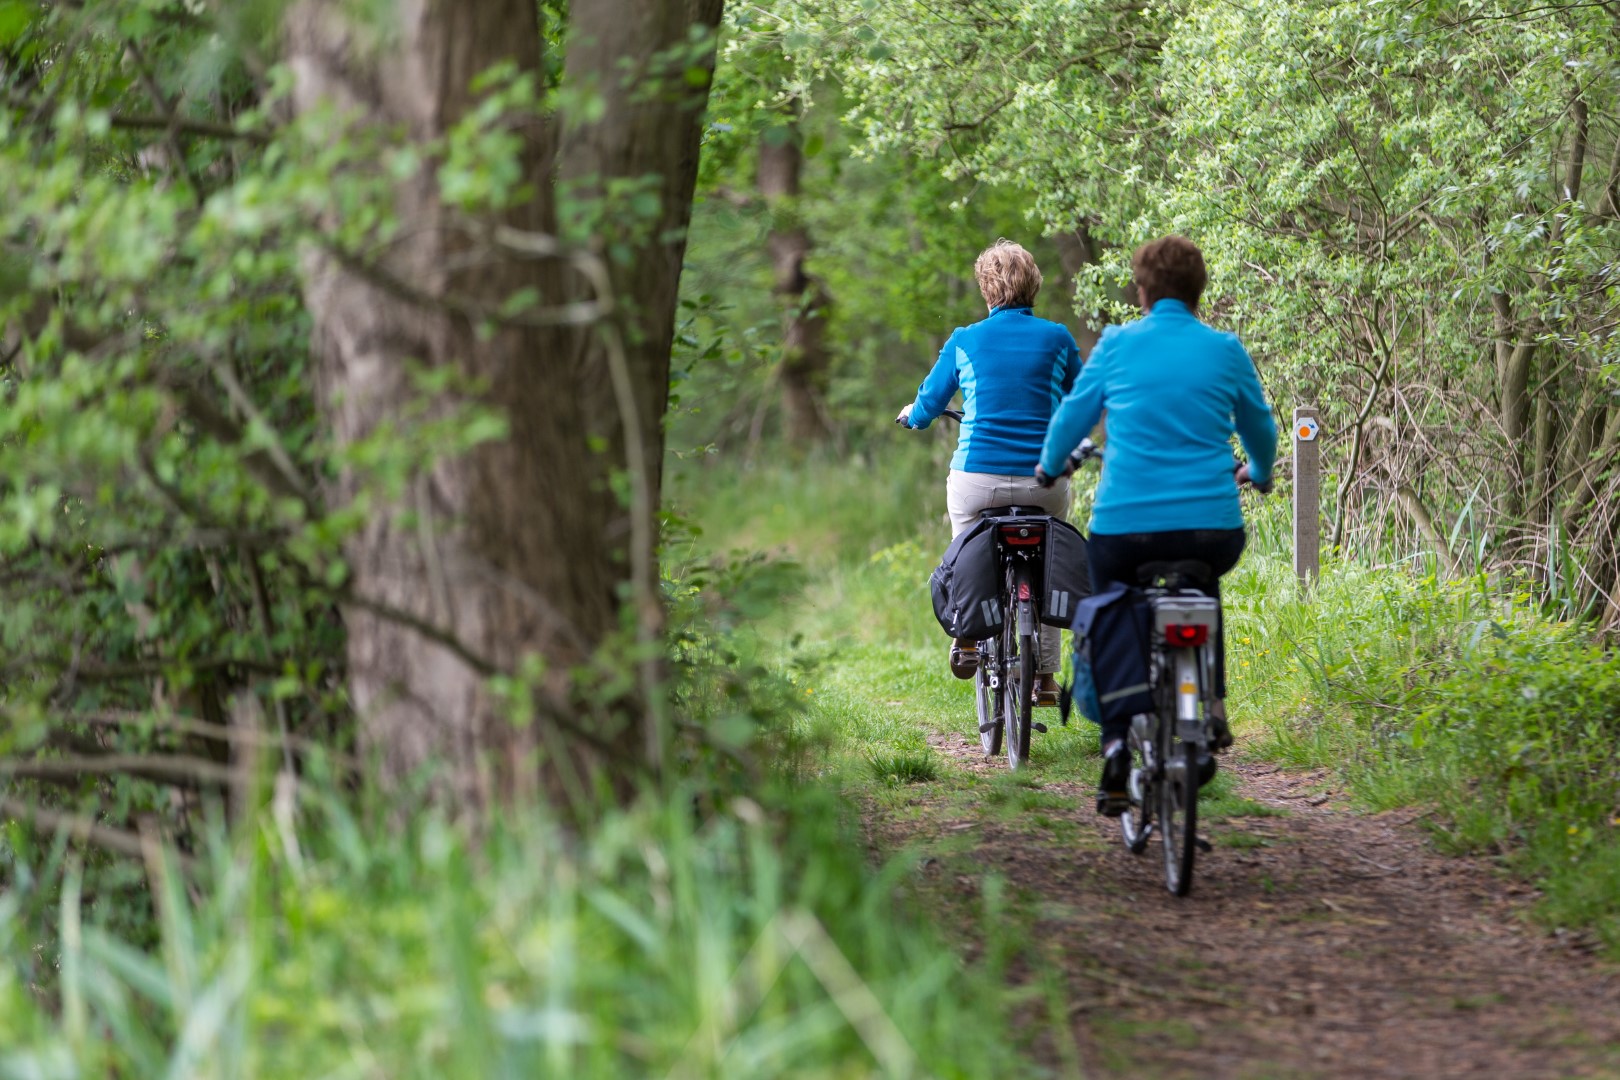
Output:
[[1020, 702], [1178, 813], [988, 698]]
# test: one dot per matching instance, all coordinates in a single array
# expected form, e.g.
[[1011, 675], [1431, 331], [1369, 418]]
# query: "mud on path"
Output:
[[1317, 942]]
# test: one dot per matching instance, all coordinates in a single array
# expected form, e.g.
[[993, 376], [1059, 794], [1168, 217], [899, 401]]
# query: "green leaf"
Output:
[[16, 16]]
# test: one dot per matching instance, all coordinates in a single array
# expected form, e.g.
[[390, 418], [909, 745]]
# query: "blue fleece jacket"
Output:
[[1175, 390], [1012, 369]]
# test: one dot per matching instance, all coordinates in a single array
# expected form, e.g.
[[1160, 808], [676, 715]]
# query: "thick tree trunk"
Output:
[[641, 57], [805, 361], [516, 549]]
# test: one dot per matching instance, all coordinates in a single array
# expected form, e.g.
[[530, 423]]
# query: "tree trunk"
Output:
[[805, 361], [517, 548], [1076, 251], [641, 57]]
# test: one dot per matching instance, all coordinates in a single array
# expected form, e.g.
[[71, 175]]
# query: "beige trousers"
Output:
[[968, 493]]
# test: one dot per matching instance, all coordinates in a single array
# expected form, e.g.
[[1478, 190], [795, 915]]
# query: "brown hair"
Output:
[[1170, 268], [1007, 275]]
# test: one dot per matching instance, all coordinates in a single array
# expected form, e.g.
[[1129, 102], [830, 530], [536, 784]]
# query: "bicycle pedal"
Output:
[[991, 726], [1039, 727], [1203, 845]]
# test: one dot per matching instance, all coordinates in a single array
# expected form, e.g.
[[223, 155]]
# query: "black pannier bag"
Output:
[[1066, 576], [1111, 644], [967, 585]]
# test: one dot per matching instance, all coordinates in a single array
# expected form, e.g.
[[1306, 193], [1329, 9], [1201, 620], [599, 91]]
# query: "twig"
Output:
[[188, 127], [177, 770], [182, 725], [1120, 983], [85, 830]]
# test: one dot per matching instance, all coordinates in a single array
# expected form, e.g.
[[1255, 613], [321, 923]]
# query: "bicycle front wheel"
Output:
[[1178, 814], [1020, 702]]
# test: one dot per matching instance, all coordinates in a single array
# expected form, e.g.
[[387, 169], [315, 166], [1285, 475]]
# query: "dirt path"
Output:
[[1317, 943]]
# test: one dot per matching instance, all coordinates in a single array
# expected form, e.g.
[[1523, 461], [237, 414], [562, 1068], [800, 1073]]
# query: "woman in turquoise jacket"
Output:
[[1012, 369], [1175, 390]]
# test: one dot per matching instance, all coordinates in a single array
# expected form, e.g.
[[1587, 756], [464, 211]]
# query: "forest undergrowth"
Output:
[[731, 926]]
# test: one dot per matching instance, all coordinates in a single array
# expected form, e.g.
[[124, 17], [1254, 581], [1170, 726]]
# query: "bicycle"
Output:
[[1004, 684], [1170, 746]]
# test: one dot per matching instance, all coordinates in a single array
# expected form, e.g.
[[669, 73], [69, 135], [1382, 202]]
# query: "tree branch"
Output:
[[86, 830]]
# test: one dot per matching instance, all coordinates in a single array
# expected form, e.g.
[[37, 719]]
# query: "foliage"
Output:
[[1409, 213], [893, 243]]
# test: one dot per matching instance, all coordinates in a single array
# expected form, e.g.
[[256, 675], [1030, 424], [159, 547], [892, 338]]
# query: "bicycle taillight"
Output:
[[1186, 635], [1023, 535]]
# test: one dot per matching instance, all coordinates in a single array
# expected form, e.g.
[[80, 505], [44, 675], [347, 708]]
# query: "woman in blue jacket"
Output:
[[1175, 390], [1012, 370]]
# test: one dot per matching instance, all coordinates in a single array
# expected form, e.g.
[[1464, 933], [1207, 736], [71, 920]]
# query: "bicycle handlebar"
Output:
[[1086, 451], [1263, 489], [948, 414]]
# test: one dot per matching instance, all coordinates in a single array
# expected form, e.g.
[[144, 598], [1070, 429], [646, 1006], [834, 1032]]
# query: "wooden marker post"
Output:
[[1307, 496]]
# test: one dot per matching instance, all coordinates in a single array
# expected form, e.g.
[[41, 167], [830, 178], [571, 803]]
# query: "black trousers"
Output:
[[1116, 558]]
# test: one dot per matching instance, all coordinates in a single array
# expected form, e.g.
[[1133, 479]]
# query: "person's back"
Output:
[[1174, 389], [1013, 369]]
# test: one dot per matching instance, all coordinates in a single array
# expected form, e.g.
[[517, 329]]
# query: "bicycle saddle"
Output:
[[1014, 511], [1179, 574]]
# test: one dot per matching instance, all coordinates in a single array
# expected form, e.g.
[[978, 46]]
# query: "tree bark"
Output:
[[1076, 251], [637, 54], [805, 360], [518, 548]]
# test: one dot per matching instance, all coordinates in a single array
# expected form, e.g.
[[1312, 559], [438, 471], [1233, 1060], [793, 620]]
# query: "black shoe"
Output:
[[1114, 789], [1220, 735], [1206, 767], [964, 660]]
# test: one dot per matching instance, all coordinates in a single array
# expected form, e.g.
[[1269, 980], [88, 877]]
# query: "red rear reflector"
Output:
[[1183, 635], [1023, 535]]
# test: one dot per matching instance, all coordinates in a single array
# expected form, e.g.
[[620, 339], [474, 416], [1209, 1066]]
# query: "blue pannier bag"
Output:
[[1083, 693], [1111, 656]]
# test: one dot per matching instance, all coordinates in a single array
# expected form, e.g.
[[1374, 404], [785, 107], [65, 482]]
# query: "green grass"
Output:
[[903, 768], [751, 941], [704, 932]]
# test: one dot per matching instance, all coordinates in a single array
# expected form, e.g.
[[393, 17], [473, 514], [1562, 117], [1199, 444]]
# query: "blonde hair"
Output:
[[1007, 275]]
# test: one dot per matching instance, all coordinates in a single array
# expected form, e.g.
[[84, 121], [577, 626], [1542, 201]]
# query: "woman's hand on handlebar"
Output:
[[904, 419], [1242, 476], [1077, 457]]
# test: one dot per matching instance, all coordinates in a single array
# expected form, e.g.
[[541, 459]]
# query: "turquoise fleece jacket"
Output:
[[1012, 369], [1175, 391]]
